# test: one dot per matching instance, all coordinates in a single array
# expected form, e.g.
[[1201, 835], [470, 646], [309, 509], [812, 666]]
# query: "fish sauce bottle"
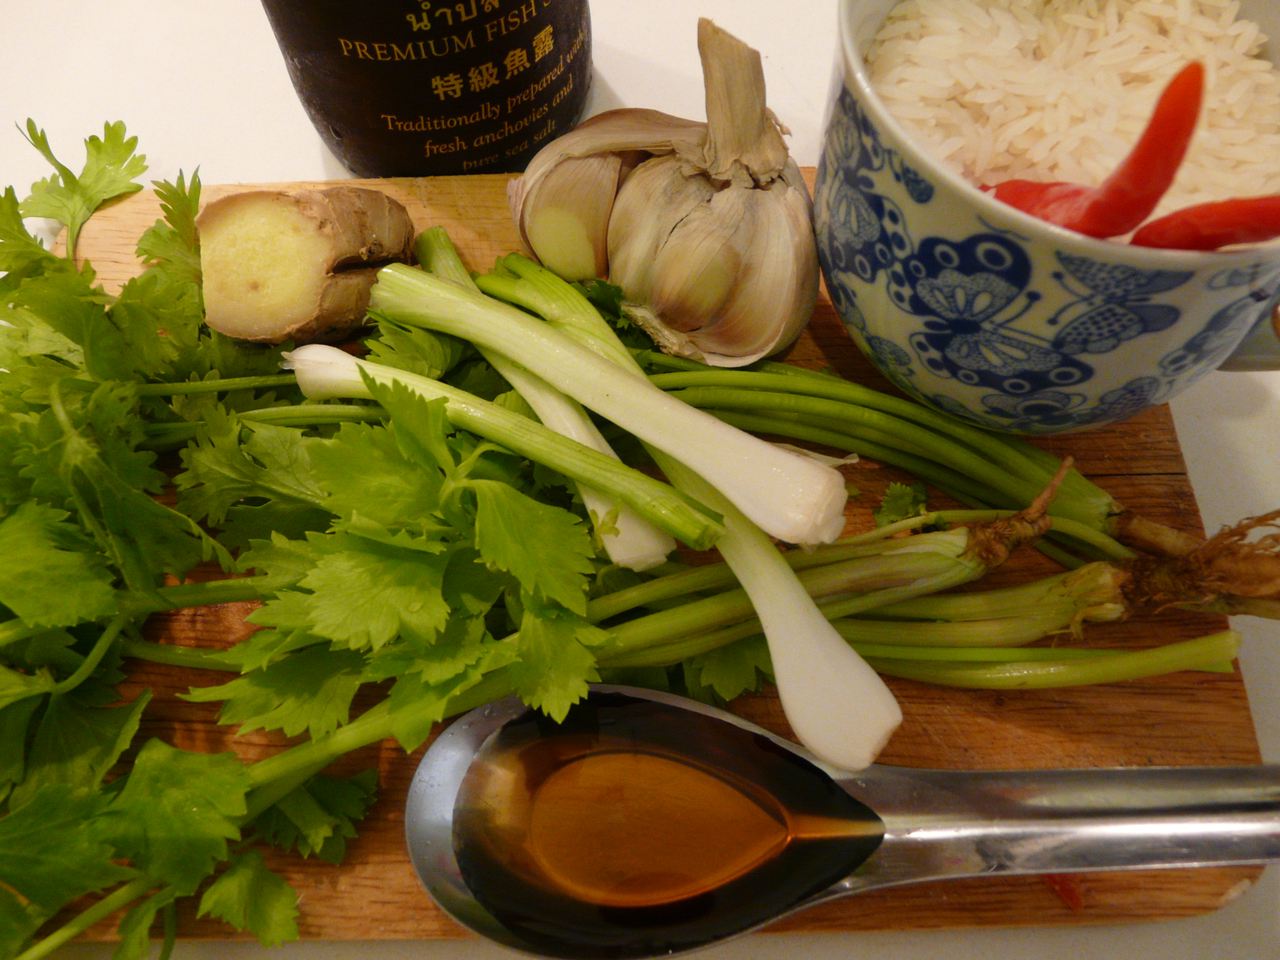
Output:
[[422, 88]]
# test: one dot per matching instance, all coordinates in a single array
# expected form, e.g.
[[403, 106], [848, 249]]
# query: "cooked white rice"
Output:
[[1061, 89]]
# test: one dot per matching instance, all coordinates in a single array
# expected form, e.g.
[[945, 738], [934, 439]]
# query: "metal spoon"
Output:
[[467, 800]]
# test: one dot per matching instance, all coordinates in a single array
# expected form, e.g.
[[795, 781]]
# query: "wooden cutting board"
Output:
[[1183, 719]]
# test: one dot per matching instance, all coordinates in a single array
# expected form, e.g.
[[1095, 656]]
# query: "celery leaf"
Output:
[[308, 691], [318, 818], [230, 461], [78, 741], [388, 487], [249, 896], [547, 549], [177, 811], [731, 670], [556, 662], [48, 857], [363, 593]]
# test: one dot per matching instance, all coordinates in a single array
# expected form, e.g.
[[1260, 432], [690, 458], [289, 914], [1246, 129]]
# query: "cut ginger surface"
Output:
[[297, 266]]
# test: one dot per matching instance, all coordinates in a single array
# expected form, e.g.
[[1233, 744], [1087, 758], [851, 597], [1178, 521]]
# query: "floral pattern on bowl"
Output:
[[961, 309]]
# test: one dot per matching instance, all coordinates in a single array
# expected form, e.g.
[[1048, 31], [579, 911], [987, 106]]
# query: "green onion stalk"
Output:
[[629, 539], [974, 466]]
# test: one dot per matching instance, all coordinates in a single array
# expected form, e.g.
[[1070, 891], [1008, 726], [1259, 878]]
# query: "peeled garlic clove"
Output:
[[569, 211]]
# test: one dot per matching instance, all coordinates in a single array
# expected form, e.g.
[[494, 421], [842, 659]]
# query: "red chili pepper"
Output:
[[1128, 196], [1208, 226]]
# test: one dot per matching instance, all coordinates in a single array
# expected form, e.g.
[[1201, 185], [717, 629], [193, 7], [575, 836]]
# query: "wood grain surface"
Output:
[[1182, 719]]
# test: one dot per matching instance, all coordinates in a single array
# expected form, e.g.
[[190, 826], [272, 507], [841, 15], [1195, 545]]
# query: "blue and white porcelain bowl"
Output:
[[1000, 318]]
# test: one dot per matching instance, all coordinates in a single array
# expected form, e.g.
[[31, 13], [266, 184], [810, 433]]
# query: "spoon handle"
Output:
[[951, 824]]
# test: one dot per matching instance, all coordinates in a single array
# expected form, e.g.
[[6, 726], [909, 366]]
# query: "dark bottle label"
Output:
[[418, 88]]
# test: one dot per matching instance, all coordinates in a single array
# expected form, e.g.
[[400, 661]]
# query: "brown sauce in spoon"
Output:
[[637, 824]]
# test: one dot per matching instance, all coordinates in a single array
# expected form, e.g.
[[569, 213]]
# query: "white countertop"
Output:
[[203, 85]]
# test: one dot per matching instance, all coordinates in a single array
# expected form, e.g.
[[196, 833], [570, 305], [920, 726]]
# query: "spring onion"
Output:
[[790, 496]]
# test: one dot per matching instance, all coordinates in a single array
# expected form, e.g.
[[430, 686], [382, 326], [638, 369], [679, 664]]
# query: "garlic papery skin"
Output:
[[656, 199], [736, 278], [563, 201], [709, 229]]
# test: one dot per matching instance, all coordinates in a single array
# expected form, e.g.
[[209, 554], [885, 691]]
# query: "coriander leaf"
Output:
[[81, 461], [110, 170], [251, 897], [604, 296], [65, 303], [172, 243], [508, 523], [310, 691], [159, 325], [20, 252], [555, 664], [50, 575], [901, 502], [177, 811]]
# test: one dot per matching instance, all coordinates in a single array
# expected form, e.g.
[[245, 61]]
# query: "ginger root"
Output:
[[297, 266]]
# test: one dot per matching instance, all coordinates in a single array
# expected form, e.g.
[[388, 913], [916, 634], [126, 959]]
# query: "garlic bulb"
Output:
[[706, 227]]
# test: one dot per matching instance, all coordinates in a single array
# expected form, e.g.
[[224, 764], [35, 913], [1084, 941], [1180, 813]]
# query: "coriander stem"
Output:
[[222, 385], [177, 432]]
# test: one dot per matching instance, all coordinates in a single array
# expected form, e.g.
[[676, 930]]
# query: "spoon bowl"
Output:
[[646, 824]]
